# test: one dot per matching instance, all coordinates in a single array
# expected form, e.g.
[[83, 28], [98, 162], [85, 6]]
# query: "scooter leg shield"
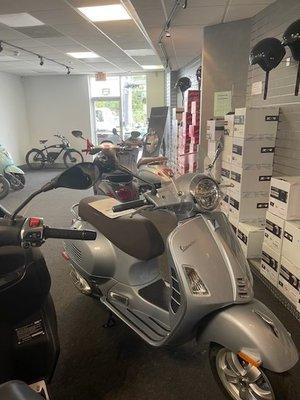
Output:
[[254, 330]]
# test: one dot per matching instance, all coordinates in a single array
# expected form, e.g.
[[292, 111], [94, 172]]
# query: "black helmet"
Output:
[[183, 84], [268, 53], [291, 38]]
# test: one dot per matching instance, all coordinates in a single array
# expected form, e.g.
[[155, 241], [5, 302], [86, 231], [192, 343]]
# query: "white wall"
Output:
[[57, 104], [155, 90], [14, 133]]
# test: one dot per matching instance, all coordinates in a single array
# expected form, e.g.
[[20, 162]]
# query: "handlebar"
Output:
[[55, 233], [128, 205]]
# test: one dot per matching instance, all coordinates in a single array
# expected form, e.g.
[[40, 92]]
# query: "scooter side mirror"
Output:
[[77, 134], [80, 176]]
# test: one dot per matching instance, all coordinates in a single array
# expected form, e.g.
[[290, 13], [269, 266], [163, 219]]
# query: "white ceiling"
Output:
[[185, 43], [66, 30]]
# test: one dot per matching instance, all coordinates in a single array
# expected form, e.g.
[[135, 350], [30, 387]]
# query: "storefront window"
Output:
[[119, 107]]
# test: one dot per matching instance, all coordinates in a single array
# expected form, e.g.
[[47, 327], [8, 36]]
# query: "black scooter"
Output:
[[29, 343]]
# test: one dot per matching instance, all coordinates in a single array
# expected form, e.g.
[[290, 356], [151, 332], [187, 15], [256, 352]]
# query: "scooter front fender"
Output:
[[253, 329], [13, 169]]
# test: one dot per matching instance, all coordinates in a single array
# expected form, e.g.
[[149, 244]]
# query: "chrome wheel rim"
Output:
[[242, 380]]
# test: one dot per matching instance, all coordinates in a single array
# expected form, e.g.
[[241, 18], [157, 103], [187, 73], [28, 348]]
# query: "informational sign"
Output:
[[100, 76], [222, 103], [256, 88]]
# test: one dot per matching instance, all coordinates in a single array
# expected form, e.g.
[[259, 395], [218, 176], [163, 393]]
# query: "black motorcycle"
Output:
[[29, 344]]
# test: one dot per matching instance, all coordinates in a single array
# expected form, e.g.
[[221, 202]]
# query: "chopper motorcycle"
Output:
[[170, 267], [11, 176], [29, 344]]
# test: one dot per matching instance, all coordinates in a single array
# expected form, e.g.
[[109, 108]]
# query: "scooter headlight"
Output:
[[196, 284], [206, 192]]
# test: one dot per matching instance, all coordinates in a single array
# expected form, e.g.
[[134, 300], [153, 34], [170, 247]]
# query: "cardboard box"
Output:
[[184, 148], [225, 173], [227, 148], [187, 118], [193, 148], [195, 139], [233, 221], [212, 146], [270, 264], [274, 230], [289, 281], [285, 197], [291, 242], [224, 205], [246, 152], [252, 122], [229, 124], [215, 129], [194, 130], [196, 118], [195, 107], [249, 208], [256, 178], [251, 239], [177, 113]]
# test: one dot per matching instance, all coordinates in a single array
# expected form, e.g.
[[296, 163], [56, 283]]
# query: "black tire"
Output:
[[72, 157], [35, 159], [4, 187], [18, 183], [282, 383]]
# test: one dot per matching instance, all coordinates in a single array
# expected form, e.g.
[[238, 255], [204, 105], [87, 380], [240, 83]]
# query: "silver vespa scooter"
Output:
[[171, 268]]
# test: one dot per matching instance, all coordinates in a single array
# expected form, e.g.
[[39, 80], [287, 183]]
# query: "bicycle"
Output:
[[38, 158]]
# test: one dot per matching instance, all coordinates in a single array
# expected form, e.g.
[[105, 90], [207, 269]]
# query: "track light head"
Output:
[[68, 71], [1, 47], [41, 60], [168, 34]]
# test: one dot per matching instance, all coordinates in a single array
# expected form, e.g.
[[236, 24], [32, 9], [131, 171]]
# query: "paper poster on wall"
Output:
[[256, 88], [222, 103]]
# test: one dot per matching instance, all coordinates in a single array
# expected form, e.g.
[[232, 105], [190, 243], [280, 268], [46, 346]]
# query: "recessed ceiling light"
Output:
[[140, 52], [112, 12], [19, 20], [152, 66], [83, 54]]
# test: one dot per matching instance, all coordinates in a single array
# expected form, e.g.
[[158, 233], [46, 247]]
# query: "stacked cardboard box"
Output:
[[251, 167], [280, 257], [189, 134]]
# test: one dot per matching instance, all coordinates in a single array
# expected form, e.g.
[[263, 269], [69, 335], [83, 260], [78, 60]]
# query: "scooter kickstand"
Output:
[[110, 321]]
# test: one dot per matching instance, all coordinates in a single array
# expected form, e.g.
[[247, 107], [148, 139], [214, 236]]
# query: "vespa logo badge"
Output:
[[187, 246]]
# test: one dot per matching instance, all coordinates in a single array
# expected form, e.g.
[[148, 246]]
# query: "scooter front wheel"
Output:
[[240, 380]]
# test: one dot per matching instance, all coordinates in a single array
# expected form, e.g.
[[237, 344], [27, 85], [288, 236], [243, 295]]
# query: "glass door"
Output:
[[107, 120]]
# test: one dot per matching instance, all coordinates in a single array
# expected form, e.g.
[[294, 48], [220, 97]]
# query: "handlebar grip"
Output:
[[55, 233], [128, 205]]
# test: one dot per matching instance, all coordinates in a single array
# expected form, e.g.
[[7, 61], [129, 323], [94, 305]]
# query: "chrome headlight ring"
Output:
[[206, 192]]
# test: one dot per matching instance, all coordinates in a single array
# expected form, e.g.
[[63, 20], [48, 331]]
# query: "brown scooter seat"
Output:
[[136, 236], [153, 160]]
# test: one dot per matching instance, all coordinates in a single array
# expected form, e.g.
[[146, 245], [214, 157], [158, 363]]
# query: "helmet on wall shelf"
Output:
[[291, 38], [268, 53]]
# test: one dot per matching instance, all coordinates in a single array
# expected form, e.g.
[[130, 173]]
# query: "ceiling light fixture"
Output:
[[41, 60], [152, 67], [1, 47], [83, 54], [20, 20], [112, 12], [168, 34], [68, 71]]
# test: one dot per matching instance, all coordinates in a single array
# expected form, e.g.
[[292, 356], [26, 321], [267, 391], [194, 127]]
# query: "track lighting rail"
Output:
[[40, 57]]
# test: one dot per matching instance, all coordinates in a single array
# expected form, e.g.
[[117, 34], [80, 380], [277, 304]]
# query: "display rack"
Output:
[[255, 265]]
